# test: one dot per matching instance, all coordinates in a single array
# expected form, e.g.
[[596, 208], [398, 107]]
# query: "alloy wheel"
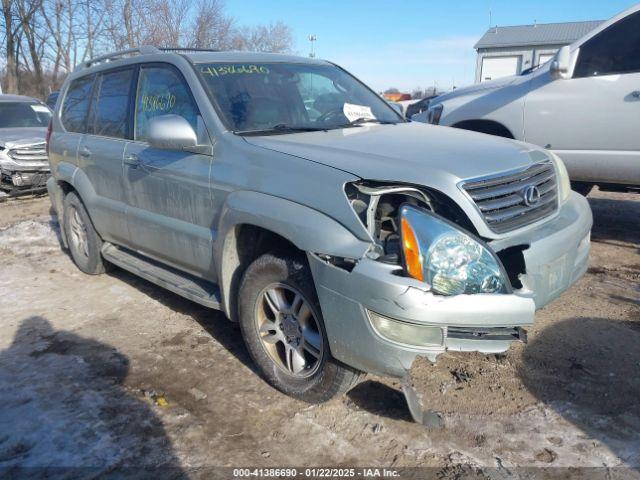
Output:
[[78, 233], [289, 330]]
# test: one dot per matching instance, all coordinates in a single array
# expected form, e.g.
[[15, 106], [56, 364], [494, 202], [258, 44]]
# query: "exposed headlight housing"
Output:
[[564, 184], [450, 260], [434, 113]]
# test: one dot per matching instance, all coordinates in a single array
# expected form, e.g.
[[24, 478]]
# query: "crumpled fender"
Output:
[[308, 229]]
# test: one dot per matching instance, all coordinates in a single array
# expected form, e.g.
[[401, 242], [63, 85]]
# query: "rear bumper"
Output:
[[557, 256]]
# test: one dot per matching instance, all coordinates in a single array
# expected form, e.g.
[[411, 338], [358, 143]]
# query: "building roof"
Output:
[[539, 34]]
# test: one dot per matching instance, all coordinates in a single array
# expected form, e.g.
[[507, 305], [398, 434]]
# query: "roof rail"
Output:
[[110, 57], [187, 50]]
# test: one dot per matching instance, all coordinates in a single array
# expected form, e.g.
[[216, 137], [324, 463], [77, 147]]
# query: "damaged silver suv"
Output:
[[286, 193]]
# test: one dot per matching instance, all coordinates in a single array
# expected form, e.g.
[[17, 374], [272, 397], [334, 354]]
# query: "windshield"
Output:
[[286, 97], [22, 114]]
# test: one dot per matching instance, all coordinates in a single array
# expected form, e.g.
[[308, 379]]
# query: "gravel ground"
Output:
[[110, 371]]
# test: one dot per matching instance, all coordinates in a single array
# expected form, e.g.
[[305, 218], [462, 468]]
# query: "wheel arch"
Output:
[[69, 178], [253, 223], [490, 127]]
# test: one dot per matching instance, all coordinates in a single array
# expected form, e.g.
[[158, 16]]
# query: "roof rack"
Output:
[[143, 50], [187, 50], [110, 57]]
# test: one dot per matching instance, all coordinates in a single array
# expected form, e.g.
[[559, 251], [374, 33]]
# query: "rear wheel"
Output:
[[84, 242], [283, 329]]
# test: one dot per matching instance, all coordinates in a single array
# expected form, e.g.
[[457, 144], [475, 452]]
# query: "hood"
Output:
[[481, 87], [12, 137], [414, 153]]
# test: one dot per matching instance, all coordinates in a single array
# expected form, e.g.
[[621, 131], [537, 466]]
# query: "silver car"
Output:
[[286, 193], [24, 166], [583, 105]]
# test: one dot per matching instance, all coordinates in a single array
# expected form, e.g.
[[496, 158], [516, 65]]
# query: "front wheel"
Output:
[[283, 329]]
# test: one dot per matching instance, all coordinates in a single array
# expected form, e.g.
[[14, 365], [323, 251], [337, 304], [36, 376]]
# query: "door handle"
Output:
[[635, 94], [85, 152], [132, 160]]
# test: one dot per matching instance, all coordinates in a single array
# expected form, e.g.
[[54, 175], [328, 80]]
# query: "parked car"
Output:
[[52, 99], [584, 105], [286, 193], [24, 166]]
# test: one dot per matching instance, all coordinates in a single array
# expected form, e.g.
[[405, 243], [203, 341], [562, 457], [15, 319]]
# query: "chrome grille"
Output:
[[501, 200], [34, 153]]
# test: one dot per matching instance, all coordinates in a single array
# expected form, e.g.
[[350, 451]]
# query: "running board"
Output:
[[194, 288]]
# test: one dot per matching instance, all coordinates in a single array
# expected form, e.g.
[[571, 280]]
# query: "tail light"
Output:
[[47, 139]]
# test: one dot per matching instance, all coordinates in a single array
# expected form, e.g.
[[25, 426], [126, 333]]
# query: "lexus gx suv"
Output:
[[286, 193]]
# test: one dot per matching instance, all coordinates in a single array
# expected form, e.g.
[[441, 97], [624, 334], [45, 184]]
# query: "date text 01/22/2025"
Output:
[[316, 473]]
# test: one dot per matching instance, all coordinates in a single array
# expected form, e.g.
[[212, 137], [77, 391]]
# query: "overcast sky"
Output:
[[412, 43]]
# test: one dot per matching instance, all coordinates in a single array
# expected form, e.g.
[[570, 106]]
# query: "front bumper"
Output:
[[22, 175], [10, 180], [557, 256]]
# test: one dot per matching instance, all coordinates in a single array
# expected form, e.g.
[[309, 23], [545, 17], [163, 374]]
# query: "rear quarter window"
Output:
[[76, 104], [110, 110]]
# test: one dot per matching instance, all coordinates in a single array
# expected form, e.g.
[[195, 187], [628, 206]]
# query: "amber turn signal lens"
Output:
[[411, 249]]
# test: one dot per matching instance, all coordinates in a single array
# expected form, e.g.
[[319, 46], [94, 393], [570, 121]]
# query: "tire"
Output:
[[84, 242], [582, 188], [296, 362]]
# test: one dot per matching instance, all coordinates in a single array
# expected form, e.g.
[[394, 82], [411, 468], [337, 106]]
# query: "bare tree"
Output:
[[275, 37], [44, 39], [11, 75], [168, 26], [26, 11], [125, 23], [211, 28]]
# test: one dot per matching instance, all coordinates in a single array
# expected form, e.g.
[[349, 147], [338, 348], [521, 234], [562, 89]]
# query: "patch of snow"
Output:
[[30, 237]]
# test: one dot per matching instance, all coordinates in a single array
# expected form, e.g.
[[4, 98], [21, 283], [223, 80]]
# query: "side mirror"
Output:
[[560, 64], [171, 132]]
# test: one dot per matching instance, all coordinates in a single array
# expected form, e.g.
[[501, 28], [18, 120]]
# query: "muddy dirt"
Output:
[[111, 371]]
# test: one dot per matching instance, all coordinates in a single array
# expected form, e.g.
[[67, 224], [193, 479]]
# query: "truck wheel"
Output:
[[283, 329], [83, 240], [582, 188]]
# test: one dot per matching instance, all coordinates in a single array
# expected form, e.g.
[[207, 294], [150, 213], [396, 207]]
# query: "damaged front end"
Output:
[[24, 167], [431, 239], [429, 283]]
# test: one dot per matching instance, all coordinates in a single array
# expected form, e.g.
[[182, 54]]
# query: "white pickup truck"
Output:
[[584, 105]]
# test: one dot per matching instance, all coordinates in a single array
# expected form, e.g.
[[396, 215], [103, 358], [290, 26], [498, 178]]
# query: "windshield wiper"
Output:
[[361, 120], [280, 128]]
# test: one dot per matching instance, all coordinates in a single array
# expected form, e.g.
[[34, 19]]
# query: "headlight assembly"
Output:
[[564, 185], [449, 260]]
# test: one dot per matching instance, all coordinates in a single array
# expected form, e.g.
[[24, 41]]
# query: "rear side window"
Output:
[[616, 50], [76, 104], [162, 91], [110, 109]]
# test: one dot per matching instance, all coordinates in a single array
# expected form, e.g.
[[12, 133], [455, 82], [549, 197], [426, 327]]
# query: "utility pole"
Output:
[[312, 39]]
